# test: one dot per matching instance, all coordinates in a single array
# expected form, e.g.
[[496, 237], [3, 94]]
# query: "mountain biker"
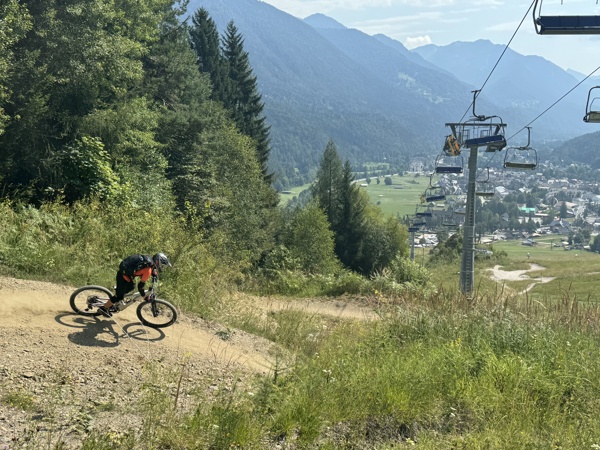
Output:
[[133, 266]]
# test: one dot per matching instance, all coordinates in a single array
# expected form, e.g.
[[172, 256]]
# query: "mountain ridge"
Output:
[[376, 99]]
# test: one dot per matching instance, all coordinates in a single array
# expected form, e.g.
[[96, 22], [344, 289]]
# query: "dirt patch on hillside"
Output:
[[63, 375], [520, 275]]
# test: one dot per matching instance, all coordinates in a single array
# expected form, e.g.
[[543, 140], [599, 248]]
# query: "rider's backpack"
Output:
[[133, 263]]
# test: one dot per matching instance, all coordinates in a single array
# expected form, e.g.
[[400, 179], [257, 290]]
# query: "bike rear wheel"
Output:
[[86, 299], [156, 313]]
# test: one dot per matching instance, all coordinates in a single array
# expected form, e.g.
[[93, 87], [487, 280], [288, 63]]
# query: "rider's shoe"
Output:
[[106, 312]]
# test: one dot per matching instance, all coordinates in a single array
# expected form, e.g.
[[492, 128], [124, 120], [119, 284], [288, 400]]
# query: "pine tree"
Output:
[[244, 100]]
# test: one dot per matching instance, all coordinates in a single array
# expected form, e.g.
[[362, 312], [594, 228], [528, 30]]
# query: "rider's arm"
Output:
[[144, 274]]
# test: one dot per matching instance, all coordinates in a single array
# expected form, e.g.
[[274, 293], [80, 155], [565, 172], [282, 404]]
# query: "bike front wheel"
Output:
[[156, 313], [86, 299]]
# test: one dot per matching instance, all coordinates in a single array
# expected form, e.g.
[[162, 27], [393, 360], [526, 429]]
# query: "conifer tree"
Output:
[[244, 100], [326, 188], [350, 227], [204, 38]]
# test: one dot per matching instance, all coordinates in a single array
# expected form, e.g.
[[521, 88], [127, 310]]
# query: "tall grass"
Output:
[[438, 371], [84, 244]]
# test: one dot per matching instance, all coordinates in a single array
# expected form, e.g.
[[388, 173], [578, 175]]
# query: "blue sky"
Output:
[[440, 22]]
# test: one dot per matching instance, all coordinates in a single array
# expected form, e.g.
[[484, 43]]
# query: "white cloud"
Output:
[[413, 42]]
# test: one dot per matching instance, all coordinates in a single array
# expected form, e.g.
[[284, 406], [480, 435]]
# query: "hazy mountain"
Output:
[[527, 84], [583, 149], [376, 99], [323, 21]]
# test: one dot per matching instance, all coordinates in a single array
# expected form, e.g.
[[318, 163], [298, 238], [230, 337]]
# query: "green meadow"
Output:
[[562, 274], [399, 198]]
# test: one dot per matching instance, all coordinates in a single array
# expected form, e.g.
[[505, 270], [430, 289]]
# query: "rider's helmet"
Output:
[[160, 260]]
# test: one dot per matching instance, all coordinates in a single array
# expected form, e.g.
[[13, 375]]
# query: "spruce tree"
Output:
[[204, 38], [243, 100], [350, 228], [326, 188]]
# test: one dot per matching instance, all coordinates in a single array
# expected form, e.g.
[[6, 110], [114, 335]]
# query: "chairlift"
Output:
[[449, 164], [564, 24], [434, 193], [460, 211], [423, 211], [485, 188], [521, 158], [489, 131], [592, 114], [480, 131]]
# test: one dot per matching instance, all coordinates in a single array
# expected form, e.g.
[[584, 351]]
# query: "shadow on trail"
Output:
[[105, 332]]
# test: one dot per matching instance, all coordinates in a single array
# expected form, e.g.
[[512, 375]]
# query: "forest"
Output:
[[127, 110]]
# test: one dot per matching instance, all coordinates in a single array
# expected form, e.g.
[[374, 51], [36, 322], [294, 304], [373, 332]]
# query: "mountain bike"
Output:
[[152, 311]]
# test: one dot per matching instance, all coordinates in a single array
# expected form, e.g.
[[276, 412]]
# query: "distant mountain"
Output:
[[322, 21], [583, 149], [376, 99], [525, 84]]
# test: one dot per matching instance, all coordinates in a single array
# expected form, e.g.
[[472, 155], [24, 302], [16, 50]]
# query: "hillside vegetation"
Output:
[[123, 131]]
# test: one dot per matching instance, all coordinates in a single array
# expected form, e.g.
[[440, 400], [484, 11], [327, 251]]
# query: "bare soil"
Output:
[[64, 375], [520, 275]]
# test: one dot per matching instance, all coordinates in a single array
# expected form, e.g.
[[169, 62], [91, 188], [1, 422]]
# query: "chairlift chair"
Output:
[[521, 158], [488, 133], [480, 131], [423, 211], [449, 164], [592, 114], [435, 192], [559, 25], [485, 188]]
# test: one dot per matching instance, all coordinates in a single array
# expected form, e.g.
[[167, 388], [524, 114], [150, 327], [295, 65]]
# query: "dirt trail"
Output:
[[54, 363], [520, 275]]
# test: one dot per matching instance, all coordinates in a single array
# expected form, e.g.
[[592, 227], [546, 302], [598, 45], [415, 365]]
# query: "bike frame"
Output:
[[132, 297]]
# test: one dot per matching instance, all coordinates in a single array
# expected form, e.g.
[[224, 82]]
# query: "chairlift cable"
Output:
[[498, 61], [554, 104]]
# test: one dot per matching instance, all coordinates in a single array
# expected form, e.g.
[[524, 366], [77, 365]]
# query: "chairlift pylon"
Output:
[[592, 115], [521, 158], [559, 25]]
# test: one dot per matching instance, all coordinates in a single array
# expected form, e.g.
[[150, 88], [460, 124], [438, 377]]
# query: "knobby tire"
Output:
[[166, 314], [78, 299]]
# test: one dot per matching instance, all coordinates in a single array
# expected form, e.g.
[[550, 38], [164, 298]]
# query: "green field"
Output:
[[576, 273], [399, 198]]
